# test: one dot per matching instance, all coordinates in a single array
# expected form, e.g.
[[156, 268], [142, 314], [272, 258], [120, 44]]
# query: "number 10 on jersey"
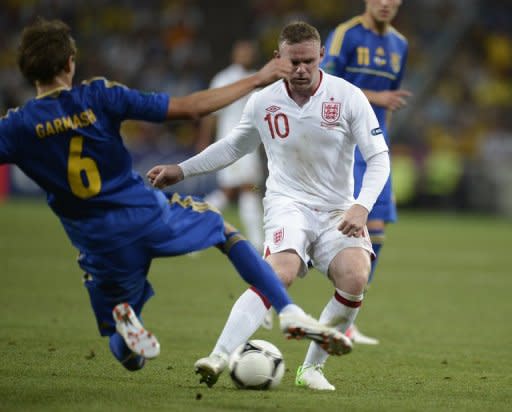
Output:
[[278, 124]]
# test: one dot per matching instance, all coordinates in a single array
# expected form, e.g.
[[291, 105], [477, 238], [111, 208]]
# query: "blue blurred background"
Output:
[[452, 145]]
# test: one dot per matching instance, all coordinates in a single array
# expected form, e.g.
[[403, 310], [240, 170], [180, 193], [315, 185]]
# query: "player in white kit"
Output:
[[241, 179], [309, 125]]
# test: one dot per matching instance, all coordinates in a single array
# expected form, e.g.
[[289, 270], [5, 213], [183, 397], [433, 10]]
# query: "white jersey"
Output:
[[229, 116], [310, 149]]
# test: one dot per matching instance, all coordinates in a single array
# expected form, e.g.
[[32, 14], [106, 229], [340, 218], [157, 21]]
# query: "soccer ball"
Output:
[[257, 364]]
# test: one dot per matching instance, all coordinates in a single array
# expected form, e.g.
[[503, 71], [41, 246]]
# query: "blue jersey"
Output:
[[68, 142], [367, 59], [374, 62]]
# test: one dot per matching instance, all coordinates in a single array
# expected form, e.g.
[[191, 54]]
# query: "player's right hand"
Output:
[[353, 221], [394, 99], [274, 70], [161, 176]]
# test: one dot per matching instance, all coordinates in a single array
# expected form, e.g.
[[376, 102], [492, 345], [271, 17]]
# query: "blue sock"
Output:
[[255, 271], [123, 354], [377, 238]]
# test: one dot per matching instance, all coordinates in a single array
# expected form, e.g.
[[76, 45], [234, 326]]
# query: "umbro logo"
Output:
[[272, 109]]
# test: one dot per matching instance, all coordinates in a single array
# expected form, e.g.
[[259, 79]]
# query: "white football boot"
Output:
[[210, 368], [355, 335], [312, 377], [139, 340], [295, 324]]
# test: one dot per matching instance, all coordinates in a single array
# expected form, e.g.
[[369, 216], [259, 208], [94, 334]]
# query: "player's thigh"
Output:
[[288, 227], [116, 277], [189, 225], [331, 242]]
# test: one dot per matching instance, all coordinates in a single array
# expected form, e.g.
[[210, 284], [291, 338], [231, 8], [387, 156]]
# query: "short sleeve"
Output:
[[126, 103], [336, 52]]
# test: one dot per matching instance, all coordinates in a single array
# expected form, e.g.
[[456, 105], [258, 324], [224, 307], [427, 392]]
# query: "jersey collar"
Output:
[[52, 93], [314, 91]]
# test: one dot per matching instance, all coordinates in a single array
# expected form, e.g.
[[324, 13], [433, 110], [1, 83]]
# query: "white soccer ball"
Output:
[[257, 364]]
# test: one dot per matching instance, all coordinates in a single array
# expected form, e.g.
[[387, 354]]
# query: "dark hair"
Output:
[[44, 50], [298, 32]]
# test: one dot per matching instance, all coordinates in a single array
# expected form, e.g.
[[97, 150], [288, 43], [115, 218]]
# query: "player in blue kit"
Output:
[[368, 52], [67, 140]]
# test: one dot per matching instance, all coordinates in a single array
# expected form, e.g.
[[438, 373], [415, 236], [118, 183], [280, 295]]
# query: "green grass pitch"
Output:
[[440, 305]]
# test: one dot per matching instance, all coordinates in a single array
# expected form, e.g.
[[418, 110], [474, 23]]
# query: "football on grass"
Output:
[[257, 364]]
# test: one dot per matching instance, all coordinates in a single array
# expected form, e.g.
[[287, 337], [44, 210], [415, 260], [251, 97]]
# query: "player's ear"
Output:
[[277, 55], [69, 64], [322, 52]]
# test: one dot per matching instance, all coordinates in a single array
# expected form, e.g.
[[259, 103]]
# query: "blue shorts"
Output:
[[385, 207], [187, 225]]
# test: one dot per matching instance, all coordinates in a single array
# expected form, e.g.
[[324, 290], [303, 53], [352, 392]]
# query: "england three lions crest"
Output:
[[278, 236], [330, 113]]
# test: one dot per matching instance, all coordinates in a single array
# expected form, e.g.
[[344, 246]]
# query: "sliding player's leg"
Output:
[[118, 288]]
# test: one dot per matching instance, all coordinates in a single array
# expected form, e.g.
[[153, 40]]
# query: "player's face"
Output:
[[305, 58], [383, 11]]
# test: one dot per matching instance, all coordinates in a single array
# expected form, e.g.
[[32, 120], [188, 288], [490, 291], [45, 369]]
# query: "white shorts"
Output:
[[311, 233], [247, 170]]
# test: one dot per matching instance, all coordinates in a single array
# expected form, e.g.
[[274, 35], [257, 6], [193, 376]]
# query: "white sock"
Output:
[[245, 318], [217, 199], [338, 312], [292, 308], [251, 216]]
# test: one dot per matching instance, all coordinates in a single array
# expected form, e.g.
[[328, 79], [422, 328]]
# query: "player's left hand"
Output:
[[164, 175], [274, 70], [354, 221]]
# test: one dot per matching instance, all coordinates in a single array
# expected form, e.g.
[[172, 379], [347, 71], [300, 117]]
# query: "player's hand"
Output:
[[354, 220], [393, 99], [164, 175], [274, 70]]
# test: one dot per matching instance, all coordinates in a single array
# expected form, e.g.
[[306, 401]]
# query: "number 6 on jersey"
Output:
[[78, 164]]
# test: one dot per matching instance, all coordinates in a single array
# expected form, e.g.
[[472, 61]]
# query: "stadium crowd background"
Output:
[[452, 144]]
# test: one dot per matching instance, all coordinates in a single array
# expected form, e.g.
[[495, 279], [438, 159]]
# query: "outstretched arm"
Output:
[[216, 156], [204, 102]]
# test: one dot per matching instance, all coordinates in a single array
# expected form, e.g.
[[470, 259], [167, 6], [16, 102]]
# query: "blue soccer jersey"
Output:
[[374, 62], [68, 142]]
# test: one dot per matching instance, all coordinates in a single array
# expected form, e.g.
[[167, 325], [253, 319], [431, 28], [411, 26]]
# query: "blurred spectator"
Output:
[[459, 70]]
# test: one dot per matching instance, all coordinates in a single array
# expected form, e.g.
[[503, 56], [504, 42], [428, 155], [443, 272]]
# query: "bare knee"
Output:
[[287, 266], [349, 270], [232, 236]]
